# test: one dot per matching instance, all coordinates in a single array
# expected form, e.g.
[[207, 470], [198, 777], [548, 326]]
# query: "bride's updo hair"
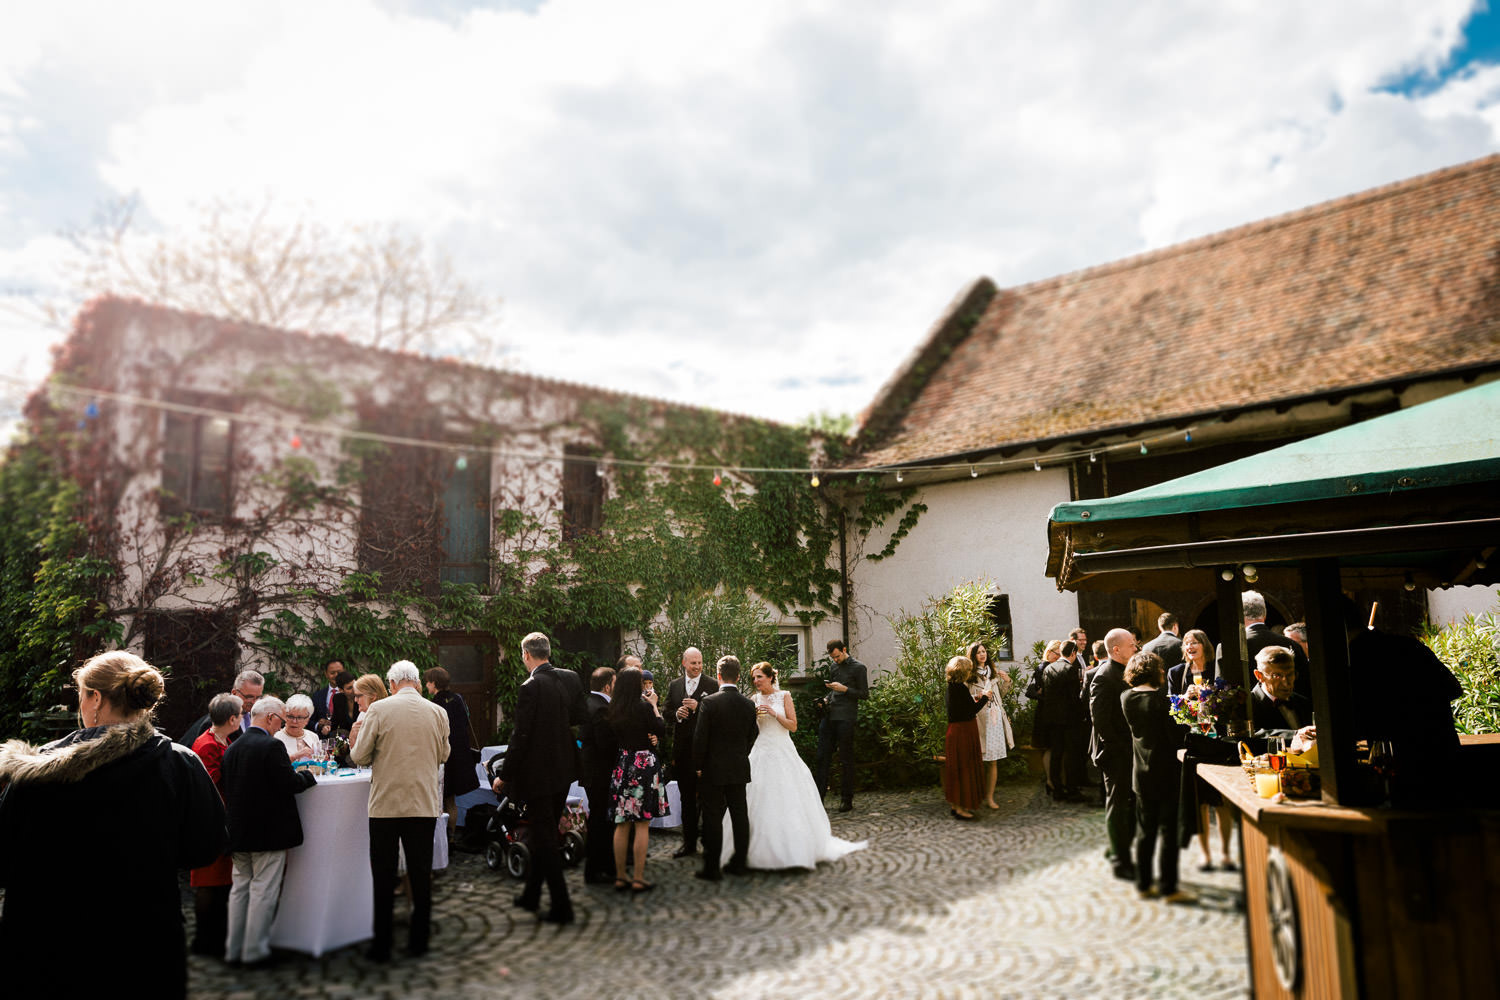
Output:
[[126, 681], [766, 669]]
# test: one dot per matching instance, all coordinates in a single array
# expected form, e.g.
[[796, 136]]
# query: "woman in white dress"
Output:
[[788, 827], [995, 737]]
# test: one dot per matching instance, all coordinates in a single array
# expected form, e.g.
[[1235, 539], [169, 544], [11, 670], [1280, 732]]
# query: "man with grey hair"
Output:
[[403, 739], [1259, 635], [540, 764], [259, 783], [1111, 749], [248, 684]]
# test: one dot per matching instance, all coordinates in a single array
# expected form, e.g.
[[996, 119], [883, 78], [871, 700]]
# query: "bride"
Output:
[[788, 827]]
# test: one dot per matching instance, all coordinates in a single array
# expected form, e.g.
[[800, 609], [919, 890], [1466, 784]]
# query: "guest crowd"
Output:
[[102, 819], [106, 817]]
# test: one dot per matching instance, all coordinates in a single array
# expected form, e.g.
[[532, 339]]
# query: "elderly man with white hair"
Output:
[[263, 825], [404, 740]]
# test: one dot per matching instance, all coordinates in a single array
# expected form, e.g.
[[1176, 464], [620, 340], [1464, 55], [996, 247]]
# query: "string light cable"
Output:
[[299, 430]]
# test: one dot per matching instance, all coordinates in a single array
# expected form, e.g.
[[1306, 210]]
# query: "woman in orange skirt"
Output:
[[963, 768]]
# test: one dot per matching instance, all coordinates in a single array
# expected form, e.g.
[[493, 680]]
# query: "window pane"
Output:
[[212, 492], [177, 462], [1000, 615], [464, 662]]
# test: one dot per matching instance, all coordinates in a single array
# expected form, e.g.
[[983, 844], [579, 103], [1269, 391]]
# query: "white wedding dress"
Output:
[[788, 827]]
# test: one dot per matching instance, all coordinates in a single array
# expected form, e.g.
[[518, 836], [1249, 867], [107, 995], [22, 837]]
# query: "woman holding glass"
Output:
[[962, 764]]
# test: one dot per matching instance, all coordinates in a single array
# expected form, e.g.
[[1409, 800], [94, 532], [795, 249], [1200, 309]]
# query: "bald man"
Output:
[[1110, 747], [683, 697]]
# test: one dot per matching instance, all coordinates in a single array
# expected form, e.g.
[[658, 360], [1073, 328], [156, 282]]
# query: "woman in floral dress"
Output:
[[635, 787]]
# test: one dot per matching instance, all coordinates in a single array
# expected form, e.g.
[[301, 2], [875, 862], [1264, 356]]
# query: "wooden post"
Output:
[[1332, 682], [1231, 632]]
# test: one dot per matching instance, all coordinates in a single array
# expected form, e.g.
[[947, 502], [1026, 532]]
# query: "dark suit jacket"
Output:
[[1168, 647], [1178, 678], [726, 731], [599, 751], [320, 706], [1110, 744], [259, 783], [682, 732], [844, 705], [542, 758], [1154, 740], [1062, 687], [1265, 716]]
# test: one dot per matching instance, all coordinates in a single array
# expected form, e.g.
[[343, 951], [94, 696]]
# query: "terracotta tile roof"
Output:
[[1398, 281]]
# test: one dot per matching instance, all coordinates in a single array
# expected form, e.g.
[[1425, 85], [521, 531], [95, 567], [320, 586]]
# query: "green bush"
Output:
[[1470, 648], [906, 718]]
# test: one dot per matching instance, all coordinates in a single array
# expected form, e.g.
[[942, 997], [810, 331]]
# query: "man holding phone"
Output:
[[847, 687]]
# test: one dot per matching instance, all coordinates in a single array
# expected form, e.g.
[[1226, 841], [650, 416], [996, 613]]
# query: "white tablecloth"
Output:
[[327, 900]]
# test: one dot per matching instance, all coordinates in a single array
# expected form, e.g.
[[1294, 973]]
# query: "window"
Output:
[[1000, 615], [195, 460], [791, 654], [583, 492]]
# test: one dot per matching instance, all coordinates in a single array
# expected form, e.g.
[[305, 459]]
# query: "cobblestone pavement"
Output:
[[1020, 904]]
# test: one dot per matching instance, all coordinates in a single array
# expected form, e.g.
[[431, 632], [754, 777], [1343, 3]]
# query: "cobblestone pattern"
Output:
[[1020, 904]]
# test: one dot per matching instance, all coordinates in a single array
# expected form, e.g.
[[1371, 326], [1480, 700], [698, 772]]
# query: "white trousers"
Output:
[[252, 904]]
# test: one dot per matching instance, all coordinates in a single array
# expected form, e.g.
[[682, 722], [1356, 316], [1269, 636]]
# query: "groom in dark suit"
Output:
[[721, 756]]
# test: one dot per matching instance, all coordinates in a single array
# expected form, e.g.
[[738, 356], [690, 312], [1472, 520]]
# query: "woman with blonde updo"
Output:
[[99, 820], [962, 767]]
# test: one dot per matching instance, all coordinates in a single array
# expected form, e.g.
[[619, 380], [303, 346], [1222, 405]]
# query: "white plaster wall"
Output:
[[1447, 606], [994, 526]]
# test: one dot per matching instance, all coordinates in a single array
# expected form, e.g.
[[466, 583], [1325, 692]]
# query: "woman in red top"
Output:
[[211, 882]]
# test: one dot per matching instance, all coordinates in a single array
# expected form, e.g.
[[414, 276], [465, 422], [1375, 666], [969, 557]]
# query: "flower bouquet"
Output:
[[1202, 706]]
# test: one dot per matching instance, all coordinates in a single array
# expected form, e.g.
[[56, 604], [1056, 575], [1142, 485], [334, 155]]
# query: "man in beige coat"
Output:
[[404, 739]]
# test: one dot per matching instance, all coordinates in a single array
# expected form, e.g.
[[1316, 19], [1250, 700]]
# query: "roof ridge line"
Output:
[[1327, 207]]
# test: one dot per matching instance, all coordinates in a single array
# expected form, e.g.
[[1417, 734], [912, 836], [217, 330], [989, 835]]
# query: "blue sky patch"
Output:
[[1480, 46]]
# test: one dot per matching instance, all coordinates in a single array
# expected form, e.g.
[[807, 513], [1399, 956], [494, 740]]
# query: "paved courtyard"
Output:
[[1020, 904]]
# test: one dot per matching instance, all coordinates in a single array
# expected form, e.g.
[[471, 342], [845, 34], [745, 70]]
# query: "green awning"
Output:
[[1450, 441]]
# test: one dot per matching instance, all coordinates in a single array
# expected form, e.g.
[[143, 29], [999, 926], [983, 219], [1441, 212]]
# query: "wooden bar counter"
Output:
[[1355, 902]]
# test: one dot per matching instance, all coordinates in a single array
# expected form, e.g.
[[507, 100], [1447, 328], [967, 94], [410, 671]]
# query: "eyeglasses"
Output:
[[298, 718]]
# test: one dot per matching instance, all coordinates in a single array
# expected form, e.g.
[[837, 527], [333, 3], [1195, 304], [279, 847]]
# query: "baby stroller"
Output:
[[507, 831]]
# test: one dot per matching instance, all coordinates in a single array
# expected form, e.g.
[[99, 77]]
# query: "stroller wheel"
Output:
[[494, 855], [517, 859], [572, 848]]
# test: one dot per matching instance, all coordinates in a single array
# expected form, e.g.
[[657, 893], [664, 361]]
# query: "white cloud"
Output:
[[731, 202]]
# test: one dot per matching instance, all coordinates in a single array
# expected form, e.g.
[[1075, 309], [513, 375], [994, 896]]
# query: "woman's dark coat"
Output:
[[93, 829]]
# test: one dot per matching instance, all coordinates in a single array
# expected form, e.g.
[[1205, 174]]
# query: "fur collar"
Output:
[[73, 757]]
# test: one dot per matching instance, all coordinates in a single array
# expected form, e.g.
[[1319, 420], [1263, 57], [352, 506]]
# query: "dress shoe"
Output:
[[733, 869], [846, 807], [1126, 871], [1180, 897], [374, 954], [416, 952], [708, 876], [556, 916], [520, 900], [684, 852]]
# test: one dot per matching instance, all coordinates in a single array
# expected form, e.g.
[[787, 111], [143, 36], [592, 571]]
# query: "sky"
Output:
[[760, 207]]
